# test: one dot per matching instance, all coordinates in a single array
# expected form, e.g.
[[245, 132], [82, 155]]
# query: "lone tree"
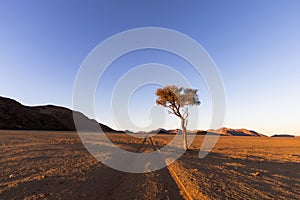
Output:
[[178, 99]]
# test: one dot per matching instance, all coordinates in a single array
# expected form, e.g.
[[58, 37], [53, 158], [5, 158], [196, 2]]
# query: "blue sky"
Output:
[[255, 44]]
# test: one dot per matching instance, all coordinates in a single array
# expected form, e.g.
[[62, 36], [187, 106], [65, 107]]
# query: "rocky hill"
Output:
[[236, 132], [15, 116], [222, 131], [283, 135]]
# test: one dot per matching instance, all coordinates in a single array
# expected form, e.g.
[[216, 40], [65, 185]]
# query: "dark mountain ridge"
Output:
[[15, 116]]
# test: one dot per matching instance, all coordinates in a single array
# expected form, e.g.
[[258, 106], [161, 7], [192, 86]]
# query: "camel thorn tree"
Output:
[[177, 100]]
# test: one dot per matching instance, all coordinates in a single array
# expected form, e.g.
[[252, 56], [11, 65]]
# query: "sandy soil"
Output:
[[55, 165], [244, 168]]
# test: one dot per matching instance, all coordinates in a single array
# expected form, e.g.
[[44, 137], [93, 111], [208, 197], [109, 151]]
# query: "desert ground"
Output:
[[56, 165]]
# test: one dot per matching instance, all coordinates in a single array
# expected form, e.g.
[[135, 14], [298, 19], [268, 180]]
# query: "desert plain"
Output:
[[56, 165]]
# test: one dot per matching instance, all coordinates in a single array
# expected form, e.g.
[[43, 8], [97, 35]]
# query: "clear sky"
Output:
[[255, 44]]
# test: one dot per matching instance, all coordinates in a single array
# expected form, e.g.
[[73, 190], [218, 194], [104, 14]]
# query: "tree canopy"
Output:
[[176, 98]]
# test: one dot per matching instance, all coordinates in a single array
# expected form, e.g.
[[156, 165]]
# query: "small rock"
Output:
[[256, 174], [44, 176], [10, 176], [194, 170]]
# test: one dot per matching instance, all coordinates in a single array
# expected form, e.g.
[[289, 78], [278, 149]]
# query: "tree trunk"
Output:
[[183, 130]]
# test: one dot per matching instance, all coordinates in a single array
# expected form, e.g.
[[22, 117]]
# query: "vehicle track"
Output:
[[152, 185]]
